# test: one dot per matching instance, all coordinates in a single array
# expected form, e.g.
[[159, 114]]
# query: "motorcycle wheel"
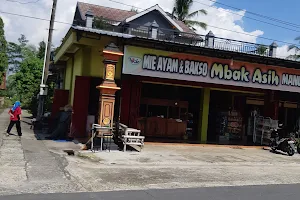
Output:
[[298, 149], [291, 151]]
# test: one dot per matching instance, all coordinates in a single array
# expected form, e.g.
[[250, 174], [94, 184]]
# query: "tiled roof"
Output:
[[115, 14], [105, 12], [184, 27]]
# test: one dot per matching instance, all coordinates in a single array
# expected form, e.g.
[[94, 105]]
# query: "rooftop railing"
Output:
[[153, 31]]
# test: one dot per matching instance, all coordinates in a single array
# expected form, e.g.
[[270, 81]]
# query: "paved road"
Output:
[[26, 165], [272, 192], [30, 166]]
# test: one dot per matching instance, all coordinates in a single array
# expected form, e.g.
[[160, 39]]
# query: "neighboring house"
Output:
[[174, 83], [130, 18]]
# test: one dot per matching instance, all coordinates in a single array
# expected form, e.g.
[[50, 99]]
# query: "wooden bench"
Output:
[[131, 136]]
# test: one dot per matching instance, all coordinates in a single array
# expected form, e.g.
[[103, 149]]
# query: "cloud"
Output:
[[283, 52], [37, 30], [224, 23]]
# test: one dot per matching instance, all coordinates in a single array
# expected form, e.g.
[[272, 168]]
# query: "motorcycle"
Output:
[[296, 136], [283, 144]]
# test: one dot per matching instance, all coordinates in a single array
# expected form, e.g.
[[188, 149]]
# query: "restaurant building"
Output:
[[172, 84]]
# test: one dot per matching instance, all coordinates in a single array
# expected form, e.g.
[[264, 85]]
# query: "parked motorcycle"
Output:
[[283, 144], [296, 136]]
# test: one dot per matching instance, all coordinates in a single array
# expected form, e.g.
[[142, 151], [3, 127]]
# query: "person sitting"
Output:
[[55, 121], [63, 124]]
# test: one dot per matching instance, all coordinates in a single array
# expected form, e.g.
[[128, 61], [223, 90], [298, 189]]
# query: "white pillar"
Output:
[[273, 49], [89, 19], [154, 29], [210, 39]]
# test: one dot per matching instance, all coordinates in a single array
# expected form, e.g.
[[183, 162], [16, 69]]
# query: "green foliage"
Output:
[[181, 12], [7, 103], [23, 41], [296, 49], [3, 51], [26, 80], [41, 50], [134, 9], [101, 23], [24, 85], [261, 49], [16, 52]]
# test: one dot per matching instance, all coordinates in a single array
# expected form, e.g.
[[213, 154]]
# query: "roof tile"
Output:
[[115, 14], [105, 12]]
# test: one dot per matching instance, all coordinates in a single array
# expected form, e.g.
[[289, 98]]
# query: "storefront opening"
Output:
[[169, 112], [229, 116]]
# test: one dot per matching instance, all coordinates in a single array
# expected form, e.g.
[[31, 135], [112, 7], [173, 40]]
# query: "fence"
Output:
[[174, 36]]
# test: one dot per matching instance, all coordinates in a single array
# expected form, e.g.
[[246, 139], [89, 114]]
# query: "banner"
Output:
[[163, 64]]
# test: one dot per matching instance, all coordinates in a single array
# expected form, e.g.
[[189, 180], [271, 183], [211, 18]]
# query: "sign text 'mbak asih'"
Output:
[[217, 71]]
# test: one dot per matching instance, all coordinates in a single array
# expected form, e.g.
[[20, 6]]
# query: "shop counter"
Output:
[[162, 127]]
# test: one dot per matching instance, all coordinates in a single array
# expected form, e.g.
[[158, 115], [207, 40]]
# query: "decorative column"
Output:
[[273, 49], [210, 39], [154, 30], [108, 88]]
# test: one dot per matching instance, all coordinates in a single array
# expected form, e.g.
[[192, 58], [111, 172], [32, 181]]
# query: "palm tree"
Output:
[[296, 56], [181, 12]]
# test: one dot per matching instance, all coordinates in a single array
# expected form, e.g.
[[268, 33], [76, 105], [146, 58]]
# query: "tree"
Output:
[[296, 56], [133, 9], [3, 51], [25, 82], [15, 52], [181, 12], [23, 40], [261, 49], [41, 50], [101, 23]]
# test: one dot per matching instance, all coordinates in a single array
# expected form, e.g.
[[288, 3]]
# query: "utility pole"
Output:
[[43, 86]]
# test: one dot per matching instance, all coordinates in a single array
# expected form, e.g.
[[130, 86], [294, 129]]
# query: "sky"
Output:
[[222, 20]]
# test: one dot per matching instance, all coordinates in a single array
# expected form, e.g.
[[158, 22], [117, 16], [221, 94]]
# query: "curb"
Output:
[[205, 145]]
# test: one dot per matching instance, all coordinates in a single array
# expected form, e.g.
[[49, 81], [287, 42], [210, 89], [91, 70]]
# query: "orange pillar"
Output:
[[108, 87]]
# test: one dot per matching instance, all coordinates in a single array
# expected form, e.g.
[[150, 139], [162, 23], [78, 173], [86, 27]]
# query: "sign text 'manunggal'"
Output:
[[217, 70]]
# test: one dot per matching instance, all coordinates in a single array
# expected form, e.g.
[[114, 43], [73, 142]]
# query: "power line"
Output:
[[286, 28], [251, 35], [224, 10], [257, 14], [31, 17], [126, 4], [20, 2]]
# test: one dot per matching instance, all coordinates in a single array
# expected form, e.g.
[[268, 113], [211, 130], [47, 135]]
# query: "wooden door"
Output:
[[135, 100], [80, 106]]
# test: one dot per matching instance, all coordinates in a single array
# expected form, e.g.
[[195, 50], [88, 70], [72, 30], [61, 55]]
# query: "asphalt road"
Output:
[[266, 192]]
